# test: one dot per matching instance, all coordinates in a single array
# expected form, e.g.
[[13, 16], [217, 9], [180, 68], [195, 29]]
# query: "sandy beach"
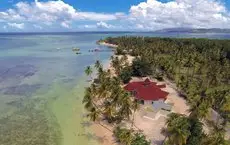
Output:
[[105, 136], [108, 44], [146, 125]]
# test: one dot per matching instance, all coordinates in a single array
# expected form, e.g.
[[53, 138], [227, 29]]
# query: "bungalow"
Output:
[[147, 92]]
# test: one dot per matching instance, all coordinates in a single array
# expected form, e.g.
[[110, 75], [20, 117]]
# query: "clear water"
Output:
[[42, 84]]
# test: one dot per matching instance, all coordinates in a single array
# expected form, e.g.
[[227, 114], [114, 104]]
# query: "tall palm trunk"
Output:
[[133, 118]]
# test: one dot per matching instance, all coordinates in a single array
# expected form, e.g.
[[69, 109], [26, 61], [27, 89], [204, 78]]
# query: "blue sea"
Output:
[[42, 84]]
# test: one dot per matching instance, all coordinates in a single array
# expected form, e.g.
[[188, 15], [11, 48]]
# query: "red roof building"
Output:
[[147, 90]]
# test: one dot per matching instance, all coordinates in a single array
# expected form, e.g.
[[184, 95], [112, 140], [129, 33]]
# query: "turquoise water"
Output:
[[41, 87], [42, 84]]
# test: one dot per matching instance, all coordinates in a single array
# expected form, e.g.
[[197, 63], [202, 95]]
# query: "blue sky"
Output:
[[112, 15]]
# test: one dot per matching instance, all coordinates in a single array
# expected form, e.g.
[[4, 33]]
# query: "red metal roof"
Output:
[[147, 90], [161, 86]]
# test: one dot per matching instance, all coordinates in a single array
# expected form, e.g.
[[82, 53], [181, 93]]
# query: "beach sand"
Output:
[[150, 128], [105, 136], [179, 104], [108, 44]]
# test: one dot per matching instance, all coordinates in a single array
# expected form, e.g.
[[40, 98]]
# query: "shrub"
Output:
[[126, 74], [141, 68]]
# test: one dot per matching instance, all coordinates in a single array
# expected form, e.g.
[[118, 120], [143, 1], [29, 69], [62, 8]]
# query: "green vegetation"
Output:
[[126, 74], [106, 100], [122, 68], [178, 129], [201, 70], [130, 137], [182, 130], [199, 67], [196, 132], [141, 68], [88, 71]]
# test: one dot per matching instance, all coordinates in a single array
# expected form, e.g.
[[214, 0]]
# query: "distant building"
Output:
[[148, 92]]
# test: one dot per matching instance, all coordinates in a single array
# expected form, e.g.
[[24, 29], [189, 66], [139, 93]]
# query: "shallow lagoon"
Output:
[[41, 87], [42, 84]]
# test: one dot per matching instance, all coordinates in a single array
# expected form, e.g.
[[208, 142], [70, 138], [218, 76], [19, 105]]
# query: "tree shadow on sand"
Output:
[[93, 136], [158, 142]]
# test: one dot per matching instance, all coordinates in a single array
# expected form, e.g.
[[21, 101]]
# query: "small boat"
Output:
[[96, 49], [78, 52], [76, 49]]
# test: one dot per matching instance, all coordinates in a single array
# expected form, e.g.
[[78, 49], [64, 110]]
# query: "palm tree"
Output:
[[101, 74], [172, 117], [216, 136], [201, 108], [104, 88], [97, 64], [135, 106], [124, 136], [108, 73], [116, 81], [88, 99], [140, 139], [199, 111], [109, 111], [116, 63], [88, 71], [94, 114], [123, 59], [127, 138], [116, 95], [112, 57], [93, 89], [126, 105], [178, 129]]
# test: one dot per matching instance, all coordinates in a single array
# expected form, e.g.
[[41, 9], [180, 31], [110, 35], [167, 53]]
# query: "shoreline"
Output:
[[107, 137], [68, 112], [108, 44]]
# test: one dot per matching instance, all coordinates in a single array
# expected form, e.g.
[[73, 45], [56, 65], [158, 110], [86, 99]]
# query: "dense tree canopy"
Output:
[[141, 68], [201, 70], [106, 100], [130, 137], [126, 74], [199, 67]]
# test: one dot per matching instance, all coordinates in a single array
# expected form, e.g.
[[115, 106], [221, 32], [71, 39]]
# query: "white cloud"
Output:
[[10, 15], [95, 16], [88, 26], [104, 25], [16, 25], [65, 24], [154, 14], [37, 26], [148, 15], [97, 26], [51, 12]]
